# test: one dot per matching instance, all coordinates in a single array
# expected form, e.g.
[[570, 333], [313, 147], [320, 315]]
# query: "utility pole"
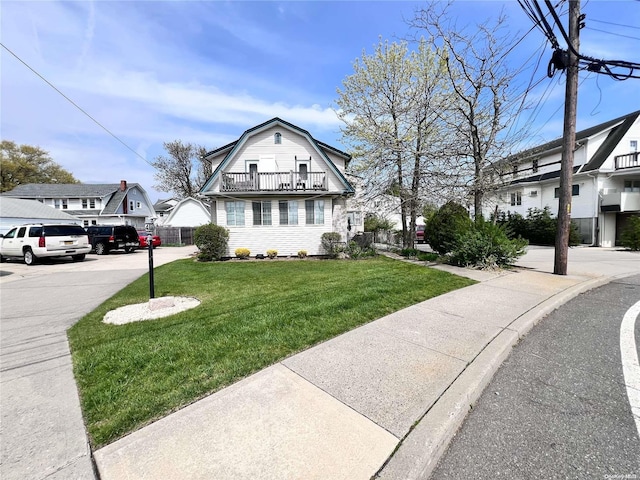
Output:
[[568, 143]]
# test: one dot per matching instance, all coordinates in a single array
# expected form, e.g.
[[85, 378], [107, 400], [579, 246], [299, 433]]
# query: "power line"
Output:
[[74, 104], [611, 33], [615, 24], [560, 57]]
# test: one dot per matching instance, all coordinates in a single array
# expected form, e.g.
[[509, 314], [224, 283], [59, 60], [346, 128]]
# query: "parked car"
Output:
[[420, 233], [142, 236], [33, 241], [104, 238]]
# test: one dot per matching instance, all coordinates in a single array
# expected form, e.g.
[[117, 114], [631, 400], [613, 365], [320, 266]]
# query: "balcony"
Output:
[[630, 160], [273, 181], [614, 201]]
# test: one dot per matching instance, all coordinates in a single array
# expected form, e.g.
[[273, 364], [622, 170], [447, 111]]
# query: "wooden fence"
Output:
[[176, 235]]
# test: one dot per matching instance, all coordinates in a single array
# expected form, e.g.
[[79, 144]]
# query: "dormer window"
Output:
[[277, 138]]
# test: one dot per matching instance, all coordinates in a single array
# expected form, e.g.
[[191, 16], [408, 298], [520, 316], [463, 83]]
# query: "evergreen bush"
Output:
[[486, 245], [445, 225], [330, 242], [212, 241], [630, 236]]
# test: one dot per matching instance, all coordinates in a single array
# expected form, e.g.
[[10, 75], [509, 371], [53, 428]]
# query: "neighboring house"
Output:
[[606, 180], [16, 211], [111, 204], [384, 206], [188, 212], [163, 209], [277, 187]]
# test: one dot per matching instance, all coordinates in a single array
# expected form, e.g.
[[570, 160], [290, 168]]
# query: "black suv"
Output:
[[104, 238]]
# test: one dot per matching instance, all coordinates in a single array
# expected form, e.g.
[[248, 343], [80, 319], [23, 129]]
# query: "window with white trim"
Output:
[[235, 213], [288, 212], [132, 205], [314, 212], [516, 198], [261, 213], [277, 138]]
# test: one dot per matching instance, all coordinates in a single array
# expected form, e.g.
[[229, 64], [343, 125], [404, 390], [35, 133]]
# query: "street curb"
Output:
[[419, 452]]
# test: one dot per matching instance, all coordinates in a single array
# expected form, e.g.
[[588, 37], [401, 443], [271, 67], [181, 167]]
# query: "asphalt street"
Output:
[[558, 406]]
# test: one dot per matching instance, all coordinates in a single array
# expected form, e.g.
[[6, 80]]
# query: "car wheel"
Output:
[[3, 259], [29, 257], [101, 249], [128, 249], [78, 258]]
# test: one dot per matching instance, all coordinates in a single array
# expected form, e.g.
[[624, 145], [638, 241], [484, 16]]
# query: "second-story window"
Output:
[[85, 203], [277, 138], [515, 170], [92, 203], [534, 166], [633, 145]]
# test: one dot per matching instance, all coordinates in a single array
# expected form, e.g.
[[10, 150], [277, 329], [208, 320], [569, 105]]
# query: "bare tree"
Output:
[[183, 171], [484, 97]]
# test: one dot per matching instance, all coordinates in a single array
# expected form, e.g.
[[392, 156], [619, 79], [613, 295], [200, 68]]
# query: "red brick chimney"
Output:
[[123, 185]]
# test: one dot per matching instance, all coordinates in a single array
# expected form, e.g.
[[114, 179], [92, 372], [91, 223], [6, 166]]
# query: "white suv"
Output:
[[34, 241]]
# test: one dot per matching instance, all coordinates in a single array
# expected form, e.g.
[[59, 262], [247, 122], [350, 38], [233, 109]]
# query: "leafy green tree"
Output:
[[375, 223], [183, 171], [22, 164]]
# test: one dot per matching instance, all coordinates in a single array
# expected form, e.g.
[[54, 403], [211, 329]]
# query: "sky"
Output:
[[205, 71]]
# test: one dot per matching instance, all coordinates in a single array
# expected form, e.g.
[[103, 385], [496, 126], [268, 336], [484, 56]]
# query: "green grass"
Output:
[[252, 315]]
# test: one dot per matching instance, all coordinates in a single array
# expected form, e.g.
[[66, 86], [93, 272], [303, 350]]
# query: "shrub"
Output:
[[302, 254], [330, 242], [428, 256], [355, 251], [242, 253], [539, 227], [212, 241], [272, 253], [630, 236], [409, 252], [486, 245], [449, 222]]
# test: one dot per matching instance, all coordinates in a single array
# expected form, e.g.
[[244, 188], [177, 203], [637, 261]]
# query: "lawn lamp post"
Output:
[[150, 245]]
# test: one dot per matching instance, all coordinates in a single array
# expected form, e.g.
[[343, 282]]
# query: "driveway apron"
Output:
[[42, 430]]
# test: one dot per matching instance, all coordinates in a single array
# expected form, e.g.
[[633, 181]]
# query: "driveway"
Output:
[[42, 429]]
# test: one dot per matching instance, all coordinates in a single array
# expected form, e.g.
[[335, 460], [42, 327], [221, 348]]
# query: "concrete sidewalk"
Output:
[[383, 399]]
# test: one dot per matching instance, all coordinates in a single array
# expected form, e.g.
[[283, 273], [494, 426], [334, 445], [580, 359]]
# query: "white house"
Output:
[[277, 187], [105, 204], [606, 179], [188, 212], [16, 211]]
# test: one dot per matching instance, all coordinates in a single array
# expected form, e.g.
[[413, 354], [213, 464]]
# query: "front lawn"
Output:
[[252, 315]]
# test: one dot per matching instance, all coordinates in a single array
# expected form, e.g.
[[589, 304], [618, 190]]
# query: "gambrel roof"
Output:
[[232, 148]]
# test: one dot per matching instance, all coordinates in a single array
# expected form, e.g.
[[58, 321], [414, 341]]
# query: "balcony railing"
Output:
[[273, 181], [629, 160]]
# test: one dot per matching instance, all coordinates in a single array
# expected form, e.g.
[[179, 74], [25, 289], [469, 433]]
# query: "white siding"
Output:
[[286, 239]]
